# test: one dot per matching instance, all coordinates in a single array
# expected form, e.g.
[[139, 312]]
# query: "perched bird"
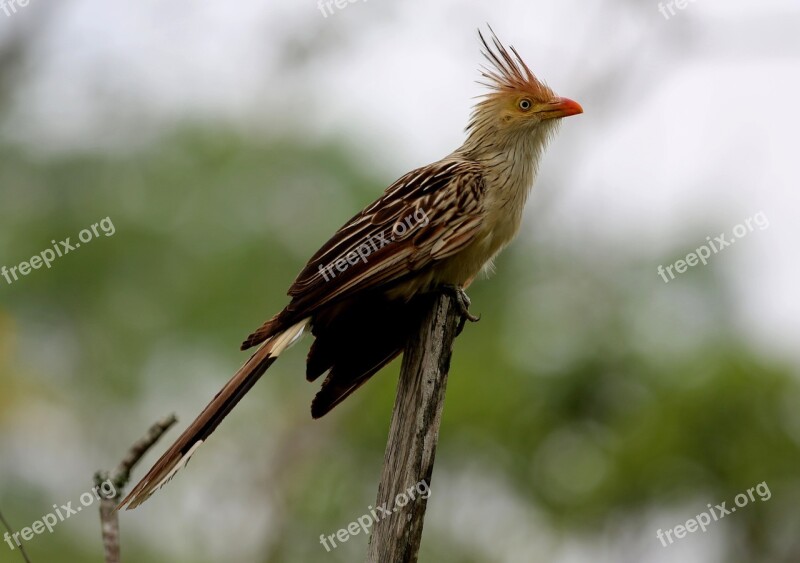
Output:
[[434, 229]]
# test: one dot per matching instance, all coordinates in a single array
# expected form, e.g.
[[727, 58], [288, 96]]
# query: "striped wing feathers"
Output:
[[427, 215]]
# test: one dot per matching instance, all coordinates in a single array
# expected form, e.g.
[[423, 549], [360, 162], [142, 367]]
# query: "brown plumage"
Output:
[[364, 291]]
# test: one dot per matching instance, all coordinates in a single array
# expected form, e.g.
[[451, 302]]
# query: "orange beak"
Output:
[[560, 107]]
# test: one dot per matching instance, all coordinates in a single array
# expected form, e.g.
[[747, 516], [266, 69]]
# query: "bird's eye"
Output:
[[525, 104]]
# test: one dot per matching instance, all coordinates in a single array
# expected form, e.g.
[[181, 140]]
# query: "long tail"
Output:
[[177, 456]]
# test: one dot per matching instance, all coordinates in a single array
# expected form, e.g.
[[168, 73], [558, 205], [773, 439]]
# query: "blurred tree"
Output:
[[589, 394]]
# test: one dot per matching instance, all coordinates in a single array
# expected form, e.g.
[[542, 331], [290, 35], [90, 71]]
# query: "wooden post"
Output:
[[413, 434]]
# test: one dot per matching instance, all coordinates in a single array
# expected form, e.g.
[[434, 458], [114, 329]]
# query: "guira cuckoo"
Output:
[[363, 292]]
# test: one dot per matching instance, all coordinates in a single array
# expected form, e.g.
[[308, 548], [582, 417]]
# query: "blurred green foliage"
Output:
[[590, 393]]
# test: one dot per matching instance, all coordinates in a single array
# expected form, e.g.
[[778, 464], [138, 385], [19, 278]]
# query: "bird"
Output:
[[434, 229]]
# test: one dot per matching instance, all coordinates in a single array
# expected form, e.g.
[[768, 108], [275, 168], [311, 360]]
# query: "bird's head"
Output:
[[517, 102]]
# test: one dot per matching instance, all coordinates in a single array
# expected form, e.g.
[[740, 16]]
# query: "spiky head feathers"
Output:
[[516, 98], [508, 74]]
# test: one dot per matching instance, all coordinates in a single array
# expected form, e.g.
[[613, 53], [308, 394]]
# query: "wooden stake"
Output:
[[413, 435]]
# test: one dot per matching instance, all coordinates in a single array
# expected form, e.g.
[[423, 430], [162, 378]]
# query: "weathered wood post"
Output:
[[414, 432]]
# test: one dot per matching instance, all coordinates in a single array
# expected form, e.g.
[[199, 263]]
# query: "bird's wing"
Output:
[[427, 215]]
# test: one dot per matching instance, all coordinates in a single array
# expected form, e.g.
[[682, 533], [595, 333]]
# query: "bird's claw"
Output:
[[462, 302]]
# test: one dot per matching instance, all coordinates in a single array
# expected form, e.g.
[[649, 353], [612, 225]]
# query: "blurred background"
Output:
[[593, 405]]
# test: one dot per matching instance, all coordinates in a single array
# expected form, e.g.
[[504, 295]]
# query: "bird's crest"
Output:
[[507, 72]]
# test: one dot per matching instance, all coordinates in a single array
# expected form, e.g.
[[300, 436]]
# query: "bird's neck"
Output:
[[510, 161]]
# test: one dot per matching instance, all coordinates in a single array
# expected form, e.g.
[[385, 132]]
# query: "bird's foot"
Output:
[[462, 302]]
